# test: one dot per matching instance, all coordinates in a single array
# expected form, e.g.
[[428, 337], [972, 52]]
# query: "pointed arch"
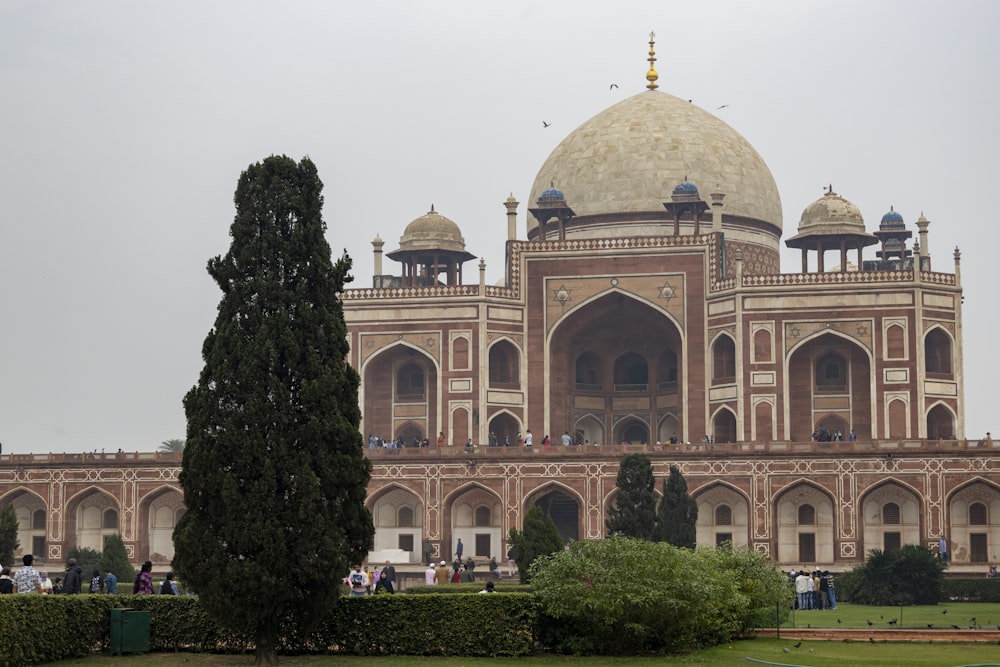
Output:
[[875, 506], [724, 425], [973, 509], [723, 355], [941, 422], [504, 365], [939, 347], [400, 383], [30, 509], [506, 426], [157, 515], [589, 429], [734, 505], [398, 514], [800, 542], [459, 521], [849, 395], [92, 515], [631, 429], [562, 504]]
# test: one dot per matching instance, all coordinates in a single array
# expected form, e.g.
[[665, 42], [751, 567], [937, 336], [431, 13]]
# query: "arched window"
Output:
[[762, 345], [723, 515], [404, 517], [38, 520], [110, 519], [410, 383], [831, 374], [807, 515], [631, 373], [890, 513], [588, 372], [505, 365], [937, 353], [977, 515], [483, 516], [723, 360]]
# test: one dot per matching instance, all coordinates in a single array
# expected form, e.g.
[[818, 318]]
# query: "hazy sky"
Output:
[[125, 125]]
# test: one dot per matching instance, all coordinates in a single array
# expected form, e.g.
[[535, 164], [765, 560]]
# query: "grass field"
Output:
[[942, 616], [761, 651]]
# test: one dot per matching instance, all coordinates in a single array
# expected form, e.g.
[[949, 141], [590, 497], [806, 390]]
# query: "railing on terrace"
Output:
[[92, 458], [882, 448]]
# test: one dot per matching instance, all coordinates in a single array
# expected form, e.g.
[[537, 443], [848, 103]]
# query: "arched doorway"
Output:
[[563, 509], [614, 351], [506, 428], [723, 516], [831, 377], [399, 385], [398, 515], [940, 423]]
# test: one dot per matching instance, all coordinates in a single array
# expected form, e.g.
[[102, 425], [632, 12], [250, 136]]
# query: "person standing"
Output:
[[110, 583], [802, 590], [428, 551], [27, 579], [143, 584], [442, 575], [96, 584], [459, 548], [430, 575], [46, 583], [566, 440], [390, 574], [943, 549], [73, 581], [528, 438], [831, 589], [494, 568], [359, 581]]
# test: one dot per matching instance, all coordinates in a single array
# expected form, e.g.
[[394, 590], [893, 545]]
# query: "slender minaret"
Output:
[[922, 224], [511, 205], [717, 195], [377, 244]]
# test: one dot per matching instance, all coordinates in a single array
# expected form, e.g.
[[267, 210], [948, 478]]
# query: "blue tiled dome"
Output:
[[685, 188], [552, 193], [892, 218]]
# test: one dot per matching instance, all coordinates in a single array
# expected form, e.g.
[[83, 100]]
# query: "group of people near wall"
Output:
[[814, 591], [27, 579]]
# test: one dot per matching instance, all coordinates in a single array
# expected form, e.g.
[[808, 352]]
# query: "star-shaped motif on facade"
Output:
[[369, 343], [562, 295], [862, 330], [667, 291], [429, 342], [794, 332]]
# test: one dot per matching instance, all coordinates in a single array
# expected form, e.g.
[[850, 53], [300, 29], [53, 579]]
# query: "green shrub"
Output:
[[907, 576], [979, 589], [623, 595]]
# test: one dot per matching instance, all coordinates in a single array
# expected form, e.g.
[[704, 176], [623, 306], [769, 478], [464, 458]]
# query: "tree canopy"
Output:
[[274, 473], [912, 574], [115, 558], [172, 445], [633, 513], [539, 537], [677, 516]]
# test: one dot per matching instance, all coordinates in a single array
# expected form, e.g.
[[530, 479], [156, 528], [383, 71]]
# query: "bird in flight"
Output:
[[613, 86], [723, 106], [544, 124]]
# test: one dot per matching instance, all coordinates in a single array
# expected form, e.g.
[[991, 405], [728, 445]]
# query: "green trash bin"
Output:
[[129, 631]]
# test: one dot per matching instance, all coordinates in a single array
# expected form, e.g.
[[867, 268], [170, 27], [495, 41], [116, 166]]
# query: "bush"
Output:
[[623, 595], [907, 576], [59, 627], [979, 589]]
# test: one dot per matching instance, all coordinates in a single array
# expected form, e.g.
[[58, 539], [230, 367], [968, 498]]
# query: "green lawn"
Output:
[[945, 615], [744, 654]]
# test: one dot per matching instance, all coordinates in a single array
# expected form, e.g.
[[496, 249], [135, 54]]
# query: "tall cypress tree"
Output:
[[633, 513], [8, 534], [115, 558], [274, 473], [539, 537], [677, 516]]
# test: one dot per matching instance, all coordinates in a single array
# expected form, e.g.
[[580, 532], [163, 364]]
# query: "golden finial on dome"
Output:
[[651, 75]]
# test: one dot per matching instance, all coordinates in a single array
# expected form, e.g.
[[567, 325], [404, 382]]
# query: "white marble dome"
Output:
[[629, 157]]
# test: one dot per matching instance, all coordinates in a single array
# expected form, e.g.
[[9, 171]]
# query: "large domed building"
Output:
[[815, 414]]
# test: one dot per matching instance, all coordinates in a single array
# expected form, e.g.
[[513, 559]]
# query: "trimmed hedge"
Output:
[[979, 589], [58, 627], [514, 586]]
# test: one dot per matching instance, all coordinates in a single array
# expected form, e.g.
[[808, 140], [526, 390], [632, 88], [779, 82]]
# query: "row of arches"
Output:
[[91, 517], [804, 520]]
